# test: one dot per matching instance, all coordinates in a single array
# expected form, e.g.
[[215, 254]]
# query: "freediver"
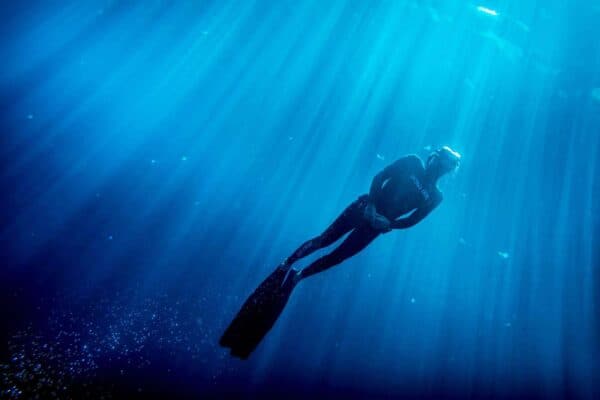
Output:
[[403, 187], [401, 195]]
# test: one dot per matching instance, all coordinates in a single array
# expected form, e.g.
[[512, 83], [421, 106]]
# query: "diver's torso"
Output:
[[406, 190]]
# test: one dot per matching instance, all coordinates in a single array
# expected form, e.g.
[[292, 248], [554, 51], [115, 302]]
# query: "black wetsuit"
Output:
[[400, 188]]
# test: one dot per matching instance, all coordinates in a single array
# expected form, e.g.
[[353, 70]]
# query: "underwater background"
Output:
[[158, 159]]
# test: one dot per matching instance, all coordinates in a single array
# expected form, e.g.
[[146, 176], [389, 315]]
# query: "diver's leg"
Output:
[[344, 223], [355, 242]]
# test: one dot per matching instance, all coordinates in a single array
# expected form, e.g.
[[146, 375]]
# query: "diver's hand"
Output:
[[381, 223], [377, 221]]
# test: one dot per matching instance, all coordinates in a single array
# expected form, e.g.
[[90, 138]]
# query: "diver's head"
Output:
[[442, 161]]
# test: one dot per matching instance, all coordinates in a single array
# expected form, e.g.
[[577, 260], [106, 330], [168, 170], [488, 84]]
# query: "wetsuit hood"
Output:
[[445, 159]]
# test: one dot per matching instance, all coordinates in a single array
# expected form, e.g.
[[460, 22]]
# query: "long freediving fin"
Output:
[[258, 314]]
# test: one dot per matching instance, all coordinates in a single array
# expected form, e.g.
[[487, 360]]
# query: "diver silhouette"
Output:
[[401, 195]]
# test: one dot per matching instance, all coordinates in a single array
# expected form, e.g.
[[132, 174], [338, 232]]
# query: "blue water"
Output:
[[158, 160]]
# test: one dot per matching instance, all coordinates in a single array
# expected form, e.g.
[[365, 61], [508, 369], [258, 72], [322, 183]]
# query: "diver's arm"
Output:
[[377, 183], [415, 217], [411, 220], [370, 211], [403, 165], [377, 220]]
